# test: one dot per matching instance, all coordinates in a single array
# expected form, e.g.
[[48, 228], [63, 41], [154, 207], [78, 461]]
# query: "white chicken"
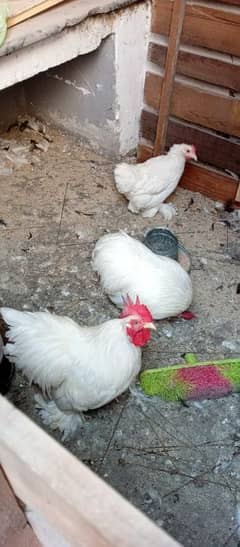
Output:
[[147, 185], [78, 368], [127, 266]]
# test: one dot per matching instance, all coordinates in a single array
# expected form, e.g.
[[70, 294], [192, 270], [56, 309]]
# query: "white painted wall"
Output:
[[132, 35]]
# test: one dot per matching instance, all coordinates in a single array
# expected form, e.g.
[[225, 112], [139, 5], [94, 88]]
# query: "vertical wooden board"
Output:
[[196, 65], [204, 26], [170, 69]]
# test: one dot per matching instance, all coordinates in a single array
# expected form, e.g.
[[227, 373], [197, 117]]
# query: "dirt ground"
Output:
[[178, 464]]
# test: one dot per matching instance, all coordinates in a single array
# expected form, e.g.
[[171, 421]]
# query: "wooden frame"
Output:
[[72, 499]]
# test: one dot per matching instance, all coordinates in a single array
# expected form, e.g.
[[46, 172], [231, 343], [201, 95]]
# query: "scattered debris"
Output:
[[203, 261], [42, 145], [190, 203], [29, 235], [33, 124], [168, 331], [15, 155], [3, 223], [84, 213], [238, 288], [219, 206]]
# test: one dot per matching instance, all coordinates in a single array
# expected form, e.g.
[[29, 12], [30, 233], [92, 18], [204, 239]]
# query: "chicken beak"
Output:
[[194, 157], [150, 326]]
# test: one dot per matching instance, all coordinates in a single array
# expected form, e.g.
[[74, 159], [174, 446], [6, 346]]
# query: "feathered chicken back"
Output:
[[127, 267], [147, 185]]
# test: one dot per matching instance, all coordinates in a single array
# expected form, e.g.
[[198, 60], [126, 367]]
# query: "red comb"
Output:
[[129, 308], [194, 148]]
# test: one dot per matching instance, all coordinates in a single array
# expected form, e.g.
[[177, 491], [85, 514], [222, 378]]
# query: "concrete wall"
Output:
[[79, 96], [12, 103]]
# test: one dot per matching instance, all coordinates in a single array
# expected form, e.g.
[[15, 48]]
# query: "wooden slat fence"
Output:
[[204, 95]]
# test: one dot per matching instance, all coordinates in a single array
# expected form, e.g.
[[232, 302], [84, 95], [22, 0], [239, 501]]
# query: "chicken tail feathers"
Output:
[[124, 177]]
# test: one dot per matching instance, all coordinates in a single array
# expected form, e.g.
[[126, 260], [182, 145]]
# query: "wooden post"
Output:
[[170, 69], [31, 12]]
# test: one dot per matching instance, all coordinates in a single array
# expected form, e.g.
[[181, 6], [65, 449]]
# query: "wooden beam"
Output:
[[31, 12], [197, 105], [199, 66], [77, 503], [213, 149], [204, 25], [199, 178], [171, 63]]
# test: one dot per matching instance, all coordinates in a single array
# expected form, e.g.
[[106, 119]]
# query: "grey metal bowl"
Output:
[[163, 242]]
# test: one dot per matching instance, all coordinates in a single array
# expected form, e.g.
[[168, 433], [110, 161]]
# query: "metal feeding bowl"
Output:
[[163, 242]]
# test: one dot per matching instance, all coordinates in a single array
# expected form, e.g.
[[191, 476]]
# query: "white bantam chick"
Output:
[[147, 185], [77, 368], [127, 266]]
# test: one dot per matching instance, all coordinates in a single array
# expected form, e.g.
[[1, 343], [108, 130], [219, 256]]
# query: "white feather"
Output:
[[147, 185], [127, 266], [81, 368]]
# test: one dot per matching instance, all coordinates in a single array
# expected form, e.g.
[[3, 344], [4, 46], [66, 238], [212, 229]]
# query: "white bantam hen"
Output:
[[78, 368], [147, 185], [127, 266]]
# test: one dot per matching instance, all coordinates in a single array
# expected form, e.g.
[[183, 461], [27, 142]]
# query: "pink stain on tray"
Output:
[[205, 382]]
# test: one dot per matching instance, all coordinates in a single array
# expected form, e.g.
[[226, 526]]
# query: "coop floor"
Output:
[[178, 464]]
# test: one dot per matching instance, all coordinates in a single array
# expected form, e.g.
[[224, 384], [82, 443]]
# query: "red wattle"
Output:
[[139, 338]]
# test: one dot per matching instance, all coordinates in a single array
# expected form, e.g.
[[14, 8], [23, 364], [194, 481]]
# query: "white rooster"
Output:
[[147, 185], [78, 368], [127, 266]]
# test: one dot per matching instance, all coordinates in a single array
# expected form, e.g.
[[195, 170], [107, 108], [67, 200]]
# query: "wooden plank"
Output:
[[17, 6], [230, 2], [237, 196], [197, 105], [213, 149], [144, 153], [199, 178], [170, 69], [205, 26], [77, 503], [32, 11], [153, 90], [210, 183], [195, 65], [14, 529]]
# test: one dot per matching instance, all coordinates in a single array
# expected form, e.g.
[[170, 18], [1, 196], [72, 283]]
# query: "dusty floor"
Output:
[[180, 465]]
